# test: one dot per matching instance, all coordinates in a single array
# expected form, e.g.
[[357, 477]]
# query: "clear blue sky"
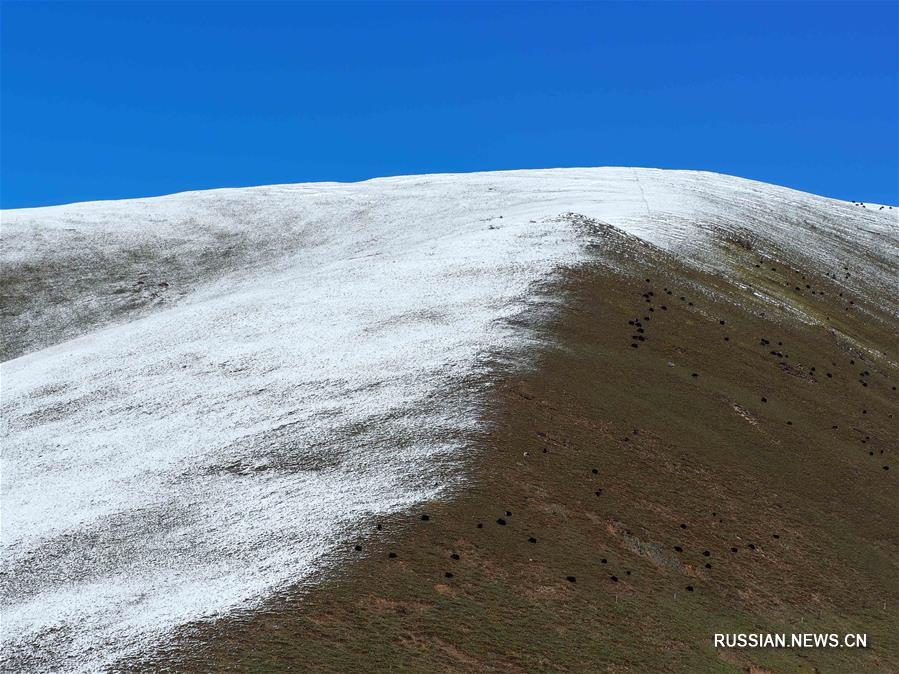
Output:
[[112, 100]]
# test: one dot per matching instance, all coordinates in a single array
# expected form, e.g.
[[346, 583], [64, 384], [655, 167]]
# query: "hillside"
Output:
[[488, 384]]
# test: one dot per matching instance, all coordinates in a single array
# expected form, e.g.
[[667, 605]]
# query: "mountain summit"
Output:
[[551, 395]]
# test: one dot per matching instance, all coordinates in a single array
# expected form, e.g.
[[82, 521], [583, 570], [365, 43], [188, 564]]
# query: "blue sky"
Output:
[[113, 100]]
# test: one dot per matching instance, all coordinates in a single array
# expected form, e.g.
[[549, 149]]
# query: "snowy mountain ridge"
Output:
[[188, 241], [206, 395]]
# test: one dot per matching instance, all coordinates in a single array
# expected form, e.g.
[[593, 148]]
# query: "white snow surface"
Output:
[[200, 455]]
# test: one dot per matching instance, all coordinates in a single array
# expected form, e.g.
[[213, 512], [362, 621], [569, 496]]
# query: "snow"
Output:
[[317, 359]]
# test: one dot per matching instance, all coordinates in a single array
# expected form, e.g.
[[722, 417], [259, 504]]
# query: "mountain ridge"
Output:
[[242, 381], [189, 240]]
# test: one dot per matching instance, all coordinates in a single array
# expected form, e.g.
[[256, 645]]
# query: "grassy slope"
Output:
[[701, 463]]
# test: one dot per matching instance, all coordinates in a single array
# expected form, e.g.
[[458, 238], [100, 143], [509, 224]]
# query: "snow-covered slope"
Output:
[[250, 374], [70, 269]]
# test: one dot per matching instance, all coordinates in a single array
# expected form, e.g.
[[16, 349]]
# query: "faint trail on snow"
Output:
[[642, 193]]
